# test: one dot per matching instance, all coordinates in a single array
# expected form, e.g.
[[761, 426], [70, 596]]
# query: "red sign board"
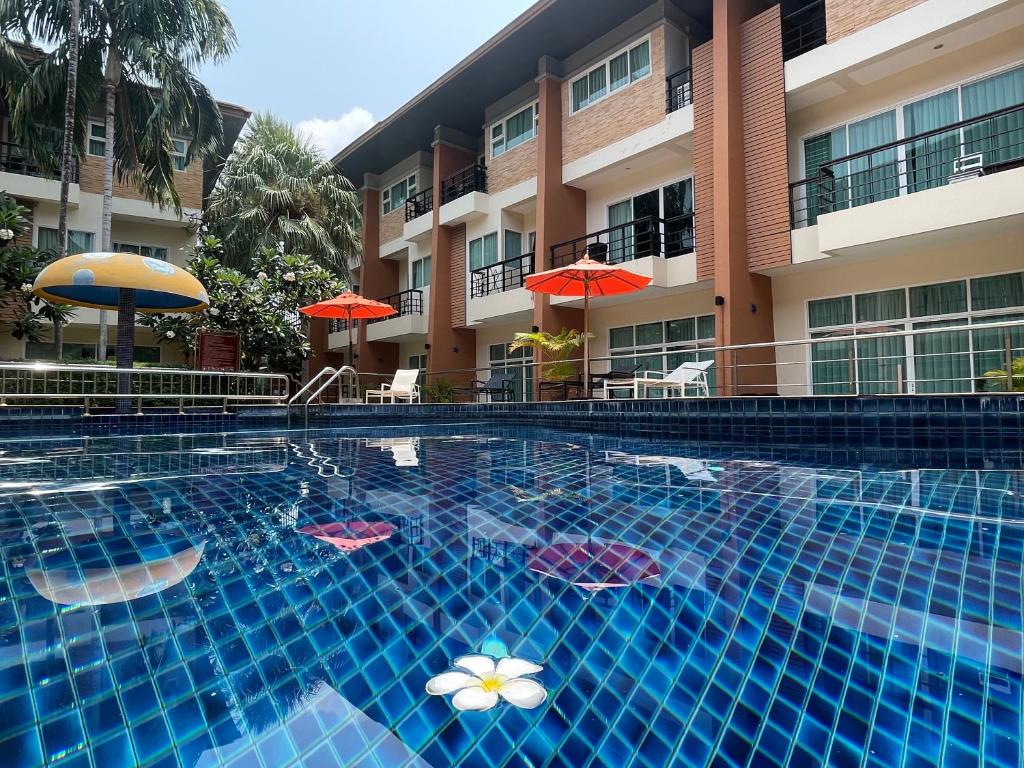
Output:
[[219, 351]]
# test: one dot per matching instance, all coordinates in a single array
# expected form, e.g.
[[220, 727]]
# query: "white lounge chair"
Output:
[[692, 374], [402, 387]]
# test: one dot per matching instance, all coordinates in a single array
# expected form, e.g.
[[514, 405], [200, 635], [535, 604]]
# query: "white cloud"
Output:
[[335, 134]]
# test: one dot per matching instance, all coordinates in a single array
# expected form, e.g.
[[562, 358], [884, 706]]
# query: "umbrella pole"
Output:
[[125, 346], [586, 340], [351, 360]]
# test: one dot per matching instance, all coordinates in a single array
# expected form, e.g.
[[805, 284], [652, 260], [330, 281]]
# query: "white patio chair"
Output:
[[692, 374], [402, 387]]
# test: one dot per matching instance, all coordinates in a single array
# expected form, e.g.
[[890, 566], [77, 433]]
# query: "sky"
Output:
[[335, 67]]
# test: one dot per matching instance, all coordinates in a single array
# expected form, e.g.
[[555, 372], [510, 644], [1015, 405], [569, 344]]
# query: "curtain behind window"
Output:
[[997, 292], [519, 128], [620, 241], [930, 161], [619, 68], [873, 177], [941, 360], [640, 61], [1001, 139], [820, 151]]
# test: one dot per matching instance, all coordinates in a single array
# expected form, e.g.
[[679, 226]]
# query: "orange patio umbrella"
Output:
[[587, 278], [349, 306]]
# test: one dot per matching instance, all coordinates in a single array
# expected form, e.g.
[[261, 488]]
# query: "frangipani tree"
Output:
[[259, 303]]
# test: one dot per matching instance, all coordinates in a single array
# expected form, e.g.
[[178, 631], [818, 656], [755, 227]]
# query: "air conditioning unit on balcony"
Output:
[[967, 167]]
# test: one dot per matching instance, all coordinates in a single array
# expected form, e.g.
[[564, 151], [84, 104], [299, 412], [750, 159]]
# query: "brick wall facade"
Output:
[[188, 182], [457, 249], [703, 163], [763, 94], [619, 115], [844, 17], [516, 165], [392, 225]]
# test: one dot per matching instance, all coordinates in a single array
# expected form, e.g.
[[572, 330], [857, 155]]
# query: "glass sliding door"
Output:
[[678, 201], [875, 176], [929, 162], [646, 231], [1000, 140], [819, 152], [620, 238]]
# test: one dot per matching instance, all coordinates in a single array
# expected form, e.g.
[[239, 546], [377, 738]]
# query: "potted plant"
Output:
[[555, 349]]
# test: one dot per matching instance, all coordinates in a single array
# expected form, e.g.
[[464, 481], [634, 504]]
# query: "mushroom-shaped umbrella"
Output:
[[126, 282]]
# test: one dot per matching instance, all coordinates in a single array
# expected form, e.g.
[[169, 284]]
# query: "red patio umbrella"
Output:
[[349, 537], [594, 566], [587, 278], [349, 306]]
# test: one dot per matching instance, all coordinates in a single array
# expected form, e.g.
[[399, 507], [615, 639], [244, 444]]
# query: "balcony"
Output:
[[418, 224], [419, 204], [803, 30], [471, 179], [678, 90], [504, 276], [33, 181], [641, 238], [964, 180], [410, 322]]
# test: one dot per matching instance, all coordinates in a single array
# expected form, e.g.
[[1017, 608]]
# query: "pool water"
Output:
[[284, 598]]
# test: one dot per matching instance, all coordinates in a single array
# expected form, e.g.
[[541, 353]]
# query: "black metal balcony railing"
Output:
[[637, 239], [14, 160], [338, 326], [471, 179], [419, 204], [405, 303], [804, 29], [679, 90], [504, 276], [982, 145]]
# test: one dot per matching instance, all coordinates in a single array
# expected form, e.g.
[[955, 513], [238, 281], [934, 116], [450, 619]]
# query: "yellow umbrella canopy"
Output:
[[96, 279], [128, 283]]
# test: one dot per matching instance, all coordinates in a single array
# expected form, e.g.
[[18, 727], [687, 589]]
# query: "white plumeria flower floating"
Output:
[[479, 682]]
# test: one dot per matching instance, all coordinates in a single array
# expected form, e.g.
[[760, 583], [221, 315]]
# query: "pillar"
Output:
[[561, 209], [743, 311], [377, 278], [452, 346]]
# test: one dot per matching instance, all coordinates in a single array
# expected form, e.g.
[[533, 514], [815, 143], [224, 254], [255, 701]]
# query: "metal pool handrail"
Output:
[[48, 383]]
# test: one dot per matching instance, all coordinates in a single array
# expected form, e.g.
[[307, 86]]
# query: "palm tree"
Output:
[[142, 57], [277, 190], [67, 156]]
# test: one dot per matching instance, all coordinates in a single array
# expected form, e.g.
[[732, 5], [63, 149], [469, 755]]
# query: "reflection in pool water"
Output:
[[770, 613]]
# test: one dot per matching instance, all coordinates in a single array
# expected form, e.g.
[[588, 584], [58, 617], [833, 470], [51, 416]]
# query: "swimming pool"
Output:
[[278, 598]]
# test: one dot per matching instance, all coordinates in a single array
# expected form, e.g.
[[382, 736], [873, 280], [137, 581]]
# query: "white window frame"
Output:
[[502, 125], [39, 227], [665, 347], [90, 138], [386, 196], [119, 244], [907, 322], [175, 154], [606, 64], [412, 274]]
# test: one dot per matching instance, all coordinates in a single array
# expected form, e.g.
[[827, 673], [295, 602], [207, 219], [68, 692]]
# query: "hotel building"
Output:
[[138, 226], [783, 171]]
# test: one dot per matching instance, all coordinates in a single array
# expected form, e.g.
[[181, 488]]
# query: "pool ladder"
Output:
[[311, 393]]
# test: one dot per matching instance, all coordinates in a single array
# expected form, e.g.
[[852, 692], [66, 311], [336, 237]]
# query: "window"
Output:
[[663, 345], [97, 139], [178, 153], [610, 75], [917, 165], [418, 363], [395, 196], [45, 350], [152, 251], [518, 363], [515, 130], [78, 242], [942, 362], [483, 252], [421, 273], [513, 244]]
